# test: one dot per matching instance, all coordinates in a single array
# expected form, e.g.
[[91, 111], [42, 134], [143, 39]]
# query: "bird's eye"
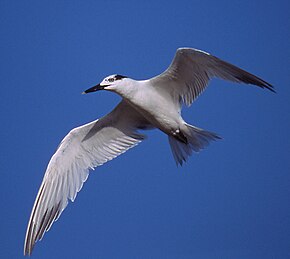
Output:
[[111, 80]]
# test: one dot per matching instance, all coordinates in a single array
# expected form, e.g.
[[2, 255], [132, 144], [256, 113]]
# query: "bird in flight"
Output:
[[145, 104]]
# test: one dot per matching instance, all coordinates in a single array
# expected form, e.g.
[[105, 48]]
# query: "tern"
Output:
[[145, 104]]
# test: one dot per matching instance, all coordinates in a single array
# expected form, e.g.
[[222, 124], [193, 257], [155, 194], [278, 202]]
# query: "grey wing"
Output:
[[190, 72], [84, 148]]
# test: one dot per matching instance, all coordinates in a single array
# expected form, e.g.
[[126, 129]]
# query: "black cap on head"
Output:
[[118, 77]]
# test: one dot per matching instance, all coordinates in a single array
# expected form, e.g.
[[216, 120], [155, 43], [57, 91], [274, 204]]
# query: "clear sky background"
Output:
[[229, 201]]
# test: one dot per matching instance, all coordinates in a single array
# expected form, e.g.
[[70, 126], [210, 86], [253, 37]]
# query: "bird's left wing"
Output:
[[84, 148]]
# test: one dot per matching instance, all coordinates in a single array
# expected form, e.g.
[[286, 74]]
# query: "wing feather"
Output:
[[84, 148], [191, 70]]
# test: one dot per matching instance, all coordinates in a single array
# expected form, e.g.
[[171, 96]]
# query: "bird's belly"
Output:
[[160, 114]]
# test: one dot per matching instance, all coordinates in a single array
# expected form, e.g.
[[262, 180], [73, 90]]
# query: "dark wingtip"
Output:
[[267, 86], [271, 88], [254, 80]]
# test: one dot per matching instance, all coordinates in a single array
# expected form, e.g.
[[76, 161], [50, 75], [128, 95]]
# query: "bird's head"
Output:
[[110, 83]]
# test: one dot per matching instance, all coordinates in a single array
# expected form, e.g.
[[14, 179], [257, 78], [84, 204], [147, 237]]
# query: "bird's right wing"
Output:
[[84, 148], [191, 70]]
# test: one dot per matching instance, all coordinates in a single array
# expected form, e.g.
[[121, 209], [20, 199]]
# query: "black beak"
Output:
[[94, 89]]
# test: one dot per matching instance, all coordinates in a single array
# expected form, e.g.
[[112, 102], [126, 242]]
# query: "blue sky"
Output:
[[229, 201]]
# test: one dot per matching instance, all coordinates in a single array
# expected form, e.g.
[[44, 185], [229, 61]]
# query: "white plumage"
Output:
[[147, 104]]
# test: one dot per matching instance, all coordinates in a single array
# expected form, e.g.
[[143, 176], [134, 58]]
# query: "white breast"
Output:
[[155, 107]]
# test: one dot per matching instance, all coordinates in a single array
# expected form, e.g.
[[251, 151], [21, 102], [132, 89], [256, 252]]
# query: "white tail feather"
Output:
[[197, 139]]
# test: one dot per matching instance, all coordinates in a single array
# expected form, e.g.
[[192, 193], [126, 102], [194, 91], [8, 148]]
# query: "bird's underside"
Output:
[[91, 145]]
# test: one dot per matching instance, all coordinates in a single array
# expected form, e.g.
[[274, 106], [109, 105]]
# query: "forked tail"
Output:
[[193, 139]]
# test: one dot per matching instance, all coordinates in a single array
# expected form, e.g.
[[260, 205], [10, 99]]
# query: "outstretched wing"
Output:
[[190, 72], [84, 148]]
